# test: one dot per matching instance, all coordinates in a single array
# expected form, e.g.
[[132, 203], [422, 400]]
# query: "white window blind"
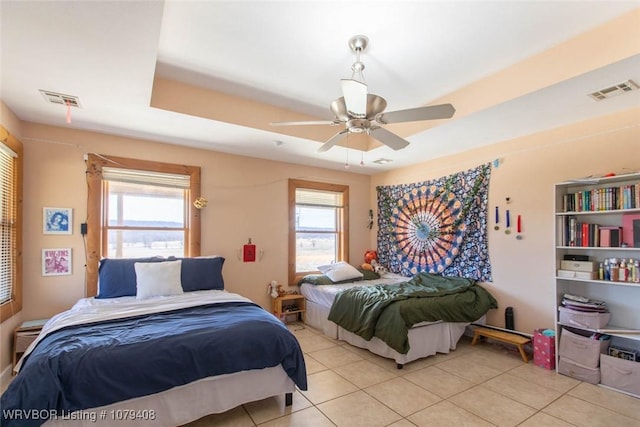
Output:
[[8, 213], [145, 177], [307, 197]]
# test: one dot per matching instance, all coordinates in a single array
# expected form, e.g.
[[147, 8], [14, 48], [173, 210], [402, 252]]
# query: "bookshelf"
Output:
[[594, 221]]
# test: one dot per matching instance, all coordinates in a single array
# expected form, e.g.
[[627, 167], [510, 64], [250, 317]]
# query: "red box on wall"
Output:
[[544, 350]]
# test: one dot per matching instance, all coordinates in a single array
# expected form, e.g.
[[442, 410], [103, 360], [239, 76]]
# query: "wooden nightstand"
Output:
[[289, 304], [24, 335]]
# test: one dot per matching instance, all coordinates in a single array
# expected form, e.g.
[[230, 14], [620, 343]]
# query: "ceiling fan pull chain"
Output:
[[346, 164]]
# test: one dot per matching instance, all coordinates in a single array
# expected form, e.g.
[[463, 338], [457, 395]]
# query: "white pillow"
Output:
[[340, 271], [158, 279]]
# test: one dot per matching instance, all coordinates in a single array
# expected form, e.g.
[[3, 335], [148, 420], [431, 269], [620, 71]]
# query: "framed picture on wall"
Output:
[[56, 262], [57, 221]]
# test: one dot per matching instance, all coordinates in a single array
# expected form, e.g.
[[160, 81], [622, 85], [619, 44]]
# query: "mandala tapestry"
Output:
[[437, 226]]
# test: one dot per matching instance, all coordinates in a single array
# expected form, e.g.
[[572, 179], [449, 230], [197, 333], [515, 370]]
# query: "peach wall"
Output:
[[523, 271]]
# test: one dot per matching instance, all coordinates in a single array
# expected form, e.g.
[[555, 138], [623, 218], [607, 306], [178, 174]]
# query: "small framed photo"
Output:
[[56, 262], [57, 221]]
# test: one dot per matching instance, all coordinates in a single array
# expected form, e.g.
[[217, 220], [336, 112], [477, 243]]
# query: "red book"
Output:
[[585, 234]]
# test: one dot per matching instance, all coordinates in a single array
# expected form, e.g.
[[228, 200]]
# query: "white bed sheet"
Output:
[[425, 339]]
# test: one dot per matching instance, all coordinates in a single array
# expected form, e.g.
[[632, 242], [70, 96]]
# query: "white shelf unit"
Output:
[[623, 298]]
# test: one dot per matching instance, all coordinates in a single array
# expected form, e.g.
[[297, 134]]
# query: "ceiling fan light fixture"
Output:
[[355, 96]]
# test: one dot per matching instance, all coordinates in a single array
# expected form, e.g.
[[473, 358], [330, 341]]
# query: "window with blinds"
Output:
[[318, 224], [144, 213], [8, 219]]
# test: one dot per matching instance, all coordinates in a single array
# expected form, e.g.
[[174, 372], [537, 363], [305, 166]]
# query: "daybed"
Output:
[[161, 353], [428, 333]]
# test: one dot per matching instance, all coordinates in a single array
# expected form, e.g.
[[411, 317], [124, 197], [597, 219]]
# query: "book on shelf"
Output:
[[629, 235], [625, 196], [610, 237], [580, 234]]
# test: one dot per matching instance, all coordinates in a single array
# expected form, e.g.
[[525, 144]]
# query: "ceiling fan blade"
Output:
[[355, 97], [442, 111], [333, 141], [305, 123], [389, 139]]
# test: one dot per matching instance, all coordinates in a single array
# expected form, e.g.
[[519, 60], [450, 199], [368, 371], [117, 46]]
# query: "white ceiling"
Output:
[[292, 54]]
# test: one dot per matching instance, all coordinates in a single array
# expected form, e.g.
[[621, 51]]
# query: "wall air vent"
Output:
[[60, 98], [615, 90]]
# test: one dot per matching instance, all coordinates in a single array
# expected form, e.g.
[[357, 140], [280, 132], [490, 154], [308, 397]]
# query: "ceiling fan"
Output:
[[363, 112]]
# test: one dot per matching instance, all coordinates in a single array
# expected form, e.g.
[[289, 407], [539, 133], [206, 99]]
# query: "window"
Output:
[[139, 208], [318, 226], [144, 213], [10, 225]]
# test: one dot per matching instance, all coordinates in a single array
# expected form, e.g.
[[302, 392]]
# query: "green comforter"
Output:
[[388, 311]]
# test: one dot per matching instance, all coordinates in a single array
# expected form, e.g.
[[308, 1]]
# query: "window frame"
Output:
[[14, 305], [343, 225], [95, 197]]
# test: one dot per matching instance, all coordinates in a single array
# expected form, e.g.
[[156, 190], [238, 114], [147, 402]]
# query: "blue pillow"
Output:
[[201, 273], [117, 276]]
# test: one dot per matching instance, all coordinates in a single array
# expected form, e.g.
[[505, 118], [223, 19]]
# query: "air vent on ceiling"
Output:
[[382, 161], [60, 98], [615, 90]]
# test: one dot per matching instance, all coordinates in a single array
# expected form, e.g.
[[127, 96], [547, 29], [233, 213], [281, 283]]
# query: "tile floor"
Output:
[[482, 385]]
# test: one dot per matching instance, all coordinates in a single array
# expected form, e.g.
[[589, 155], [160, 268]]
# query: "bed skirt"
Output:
[[425, 339], [184, 404]]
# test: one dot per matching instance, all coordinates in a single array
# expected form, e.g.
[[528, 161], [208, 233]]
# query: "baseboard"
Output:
[[5, 378]]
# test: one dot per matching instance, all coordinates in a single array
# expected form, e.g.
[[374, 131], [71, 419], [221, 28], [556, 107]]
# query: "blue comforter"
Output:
[[87, 366]]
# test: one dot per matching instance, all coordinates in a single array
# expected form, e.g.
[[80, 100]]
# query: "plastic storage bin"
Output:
[[620, 374], [580, 349], [581, 319]]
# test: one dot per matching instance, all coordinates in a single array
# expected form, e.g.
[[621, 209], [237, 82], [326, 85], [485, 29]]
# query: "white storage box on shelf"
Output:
[[620, 374], [584, 266], [581, 349], [577, 371], [571, 274], [581, 319]]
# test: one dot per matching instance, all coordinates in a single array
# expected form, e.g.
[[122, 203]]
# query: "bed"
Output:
[[179, 348], [424, 338]]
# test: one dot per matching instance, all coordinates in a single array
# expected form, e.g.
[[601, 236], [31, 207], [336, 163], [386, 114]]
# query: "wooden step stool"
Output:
[[517, 340]]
